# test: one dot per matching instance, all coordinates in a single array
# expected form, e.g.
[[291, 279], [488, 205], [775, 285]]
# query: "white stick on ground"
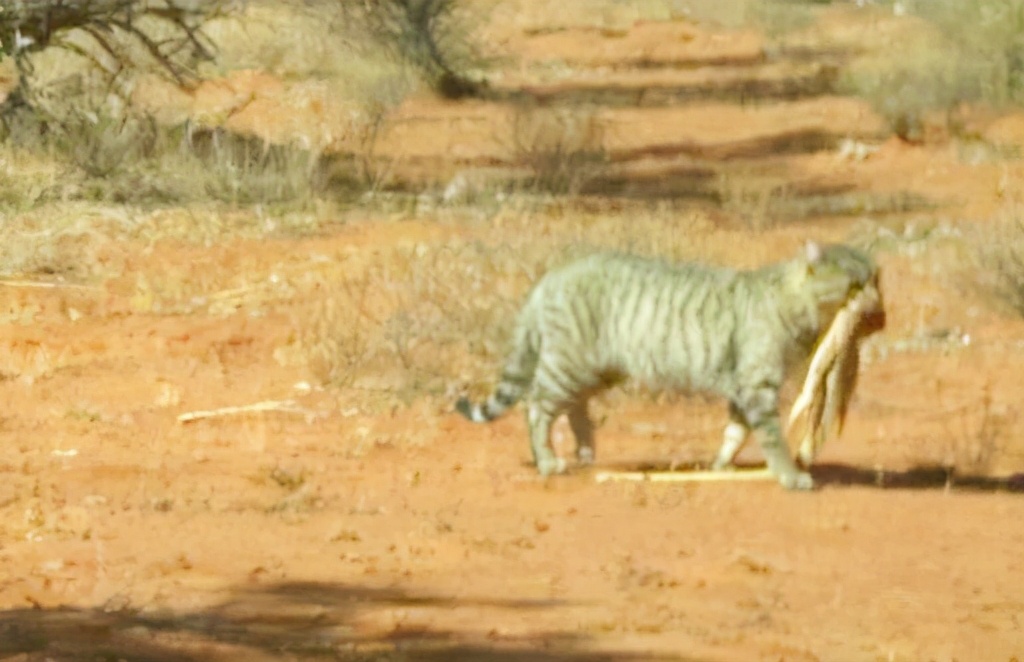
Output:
[[49, 285], [738, 475], [286, 406]]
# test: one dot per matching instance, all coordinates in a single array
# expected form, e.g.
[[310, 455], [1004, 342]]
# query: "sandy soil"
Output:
[[344, 526]]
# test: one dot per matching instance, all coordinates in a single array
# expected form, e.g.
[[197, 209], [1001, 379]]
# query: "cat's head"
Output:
[[834, 273]]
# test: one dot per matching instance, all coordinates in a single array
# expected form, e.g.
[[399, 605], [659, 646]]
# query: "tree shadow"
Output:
[[291, 620]]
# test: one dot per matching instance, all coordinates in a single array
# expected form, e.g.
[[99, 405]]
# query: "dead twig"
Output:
[[286, 406], [45, 285]]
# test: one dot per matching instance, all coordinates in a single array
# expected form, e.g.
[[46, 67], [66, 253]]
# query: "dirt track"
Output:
[[358, 524]]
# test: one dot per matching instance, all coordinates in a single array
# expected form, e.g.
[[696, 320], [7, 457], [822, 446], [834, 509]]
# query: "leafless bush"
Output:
[[430, 35], [77, 63], [116, 37], [562, 147]]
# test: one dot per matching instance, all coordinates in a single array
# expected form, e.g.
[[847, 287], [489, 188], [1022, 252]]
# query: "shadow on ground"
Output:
[[925, 477], [284, 621], [819, 81]]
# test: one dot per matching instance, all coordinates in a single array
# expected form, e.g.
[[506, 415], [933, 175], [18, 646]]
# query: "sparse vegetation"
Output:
[[617, 15], [561, 147], [752, 197], [989, 36], [775, 17], [973, 53], [427, 320], [403, 326], [85, 97], [999, 261], [134, 159]]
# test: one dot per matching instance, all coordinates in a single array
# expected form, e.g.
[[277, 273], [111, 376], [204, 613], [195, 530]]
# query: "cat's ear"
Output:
[[813, 252]]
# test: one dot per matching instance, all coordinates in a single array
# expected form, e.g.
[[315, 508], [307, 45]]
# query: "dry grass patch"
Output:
[[409, 323], [26, 177], [950, 53], [430, 320], [998, 265], [79, 242], [562, 148], [147, 142], [752, 196]]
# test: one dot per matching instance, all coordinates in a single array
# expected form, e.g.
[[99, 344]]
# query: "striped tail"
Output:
[[515, 380]]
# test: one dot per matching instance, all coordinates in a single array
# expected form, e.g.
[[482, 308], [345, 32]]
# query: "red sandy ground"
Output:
[[341, 532]]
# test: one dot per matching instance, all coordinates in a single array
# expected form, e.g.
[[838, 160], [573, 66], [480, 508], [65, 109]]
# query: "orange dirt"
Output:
[[336, 529]]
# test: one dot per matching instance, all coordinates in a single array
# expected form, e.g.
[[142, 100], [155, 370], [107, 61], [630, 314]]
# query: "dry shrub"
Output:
[[408, 323], [114, 148], [246, 170], [905, 89], [964, 52], [309, 41], [116, 38], [752, 196], [999, 261], [25, 178], [434, 37], [562, 147], [982, 439], [990, 35]]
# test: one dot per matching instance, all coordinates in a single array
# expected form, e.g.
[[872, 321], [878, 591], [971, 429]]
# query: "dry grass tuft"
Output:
[[998, 268], [562, 148], [79, 242], [752, 196], [408, 324]]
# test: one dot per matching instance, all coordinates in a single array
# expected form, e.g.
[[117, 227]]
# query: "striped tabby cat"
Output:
[[608, 317]]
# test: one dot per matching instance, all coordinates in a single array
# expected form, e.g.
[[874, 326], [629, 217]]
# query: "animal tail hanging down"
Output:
[[516, 377]]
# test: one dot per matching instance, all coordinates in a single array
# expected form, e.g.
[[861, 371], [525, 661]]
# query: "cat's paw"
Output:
[[552, 465], [798, 480]]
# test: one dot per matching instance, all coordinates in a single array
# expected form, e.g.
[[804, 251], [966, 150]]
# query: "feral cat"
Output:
[[680, 326]]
